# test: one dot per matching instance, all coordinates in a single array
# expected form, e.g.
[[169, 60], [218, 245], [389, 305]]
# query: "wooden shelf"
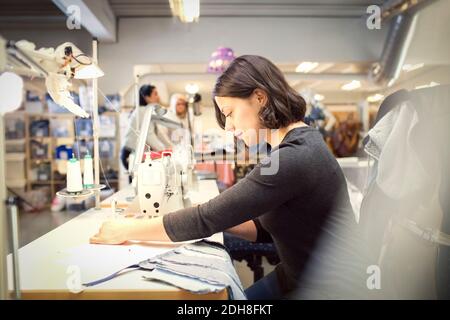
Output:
[[41, 182], [50, 115], [15, 141], [40, 160]]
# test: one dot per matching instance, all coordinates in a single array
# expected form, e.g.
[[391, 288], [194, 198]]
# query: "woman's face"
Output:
[[180, 106], [154, 97], [241, 116]]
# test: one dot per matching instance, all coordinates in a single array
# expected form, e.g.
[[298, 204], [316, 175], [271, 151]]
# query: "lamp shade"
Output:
[[11, 86], [91, 71], [220, 59]]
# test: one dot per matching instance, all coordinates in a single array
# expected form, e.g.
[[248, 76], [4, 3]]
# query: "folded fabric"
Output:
[[202, 261], [202, 267]]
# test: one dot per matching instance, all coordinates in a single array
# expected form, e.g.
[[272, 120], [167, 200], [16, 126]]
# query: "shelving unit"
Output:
[[16, 173], [51, 141]]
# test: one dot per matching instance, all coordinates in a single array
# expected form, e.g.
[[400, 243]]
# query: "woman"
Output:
[[148, 94], [177, 112], [296, 197]]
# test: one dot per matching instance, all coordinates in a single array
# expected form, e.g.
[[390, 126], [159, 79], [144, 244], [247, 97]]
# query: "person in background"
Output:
[[148, 94], [345, 138], [178, 112]]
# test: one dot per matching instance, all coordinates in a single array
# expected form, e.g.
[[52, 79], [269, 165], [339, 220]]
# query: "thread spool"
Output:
[[74, 181], [88, 172]]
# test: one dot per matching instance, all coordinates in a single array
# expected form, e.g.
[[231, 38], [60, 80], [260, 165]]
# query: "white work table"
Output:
[[49, 265]]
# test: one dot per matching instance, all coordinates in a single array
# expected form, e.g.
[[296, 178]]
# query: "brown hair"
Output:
[[249, 72]]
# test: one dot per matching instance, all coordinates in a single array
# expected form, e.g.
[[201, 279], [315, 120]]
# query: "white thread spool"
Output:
[[88, 173], [74, 181]]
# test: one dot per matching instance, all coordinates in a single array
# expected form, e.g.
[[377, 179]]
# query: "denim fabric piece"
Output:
[[207, 262], [207, 270], [183, 282], [199, 268]]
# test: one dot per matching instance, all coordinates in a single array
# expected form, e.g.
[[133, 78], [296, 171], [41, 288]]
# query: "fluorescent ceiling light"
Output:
[[375, 98], [354, 84], [391, 82], [306, 66], [431, 84], [412, 67], [186, 10], [318, 97], [191, 88]]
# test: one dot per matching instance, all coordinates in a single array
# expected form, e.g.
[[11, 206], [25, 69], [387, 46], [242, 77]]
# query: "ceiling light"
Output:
[[191, 88], [186, 10], [431, 84], [306, 67], [412, 67], [391, 82], [318, 97], [354, 84], [375, 98]]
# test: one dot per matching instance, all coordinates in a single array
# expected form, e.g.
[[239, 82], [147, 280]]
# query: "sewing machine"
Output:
[[163, 184]]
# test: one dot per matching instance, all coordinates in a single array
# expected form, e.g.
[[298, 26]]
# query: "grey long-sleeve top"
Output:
[[153, 140], [304, 200]]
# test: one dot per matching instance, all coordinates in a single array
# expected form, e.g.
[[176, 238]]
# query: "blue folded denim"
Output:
[[202, 267]]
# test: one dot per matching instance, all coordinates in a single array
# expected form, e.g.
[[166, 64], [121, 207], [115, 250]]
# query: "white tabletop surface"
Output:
[[53, 261]]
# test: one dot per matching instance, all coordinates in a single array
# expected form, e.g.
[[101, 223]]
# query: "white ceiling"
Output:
[[326, 79], [316, 8]]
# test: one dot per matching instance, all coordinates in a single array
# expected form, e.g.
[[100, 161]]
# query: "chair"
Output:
[[252, 253]]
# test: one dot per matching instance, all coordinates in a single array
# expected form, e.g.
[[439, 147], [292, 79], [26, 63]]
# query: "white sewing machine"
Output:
[[162, 185]]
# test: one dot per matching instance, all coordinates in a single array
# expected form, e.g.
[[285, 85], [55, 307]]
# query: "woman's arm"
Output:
[[251, 197], [273, 182], [119, 231], [246, 230]]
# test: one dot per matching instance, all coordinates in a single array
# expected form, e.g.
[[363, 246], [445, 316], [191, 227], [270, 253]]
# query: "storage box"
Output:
[[40, 128], [14, 127], [33, 103], [62, 128], [83, 128], [38, 150], [107, 126]]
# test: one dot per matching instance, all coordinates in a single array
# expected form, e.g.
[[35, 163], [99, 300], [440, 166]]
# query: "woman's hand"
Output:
[[114, 232], [121, 230]]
